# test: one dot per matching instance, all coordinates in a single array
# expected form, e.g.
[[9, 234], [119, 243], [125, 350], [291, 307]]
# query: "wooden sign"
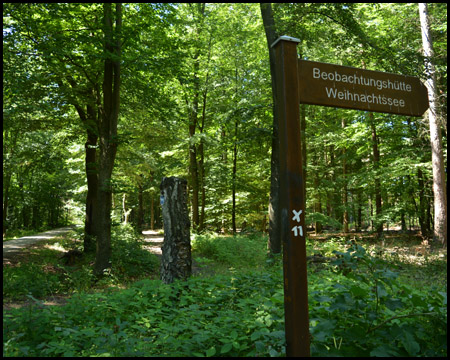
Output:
[[352, 88], [315, 83]]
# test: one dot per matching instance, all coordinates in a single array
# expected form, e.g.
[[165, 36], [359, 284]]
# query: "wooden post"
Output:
[[292, 207], [176, 262]]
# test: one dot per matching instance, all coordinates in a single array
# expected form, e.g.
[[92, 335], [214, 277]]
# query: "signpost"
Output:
[[352, 88], [310, 82], [292, 202]]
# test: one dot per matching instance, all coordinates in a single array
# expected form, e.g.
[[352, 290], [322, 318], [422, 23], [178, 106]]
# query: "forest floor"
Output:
[[22, 251], [153, 242], [393, 287], [13, 247], [411, 247]]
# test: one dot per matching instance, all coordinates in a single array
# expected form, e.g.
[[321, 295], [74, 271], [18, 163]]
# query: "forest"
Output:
[[101, 101]]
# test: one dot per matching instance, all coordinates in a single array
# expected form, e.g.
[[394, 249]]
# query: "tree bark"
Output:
[[274, 241], [233, 185], [90, 120], [345, 190], [92, 188], [193, 119], [193, 166], [108, 135], [140, 219], [437, 158], [201, 146], [176, 262], [376, 162]]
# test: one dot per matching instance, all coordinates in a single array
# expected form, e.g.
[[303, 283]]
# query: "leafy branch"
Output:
[[399, 317]]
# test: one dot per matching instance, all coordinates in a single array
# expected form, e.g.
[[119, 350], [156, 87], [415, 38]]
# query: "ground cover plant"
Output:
[[361, 304], [41, 271]]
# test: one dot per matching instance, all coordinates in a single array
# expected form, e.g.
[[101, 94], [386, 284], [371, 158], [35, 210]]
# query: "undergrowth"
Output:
[[358, 306], [43, 273]]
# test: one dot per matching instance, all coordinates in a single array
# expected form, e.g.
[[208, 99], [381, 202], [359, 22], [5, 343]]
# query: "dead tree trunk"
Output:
[[176, 262]]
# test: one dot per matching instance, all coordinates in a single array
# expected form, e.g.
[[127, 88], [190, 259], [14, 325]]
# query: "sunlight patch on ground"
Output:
[[153, 240], [56, 246]]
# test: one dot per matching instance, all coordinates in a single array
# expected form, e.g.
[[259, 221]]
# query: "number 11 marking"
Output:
[[297, 230]]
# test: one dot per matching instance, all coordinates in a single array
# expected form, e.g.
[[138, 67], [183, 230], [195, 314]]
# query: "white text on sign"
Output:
[[297, 215], [298, 230], [365, 81]]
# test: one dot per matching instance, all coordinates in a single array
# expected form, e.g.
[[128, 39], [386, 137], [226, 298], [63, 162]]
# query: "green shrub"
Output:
[[129, 259], [234, 251], [27, 279], [357, 307]]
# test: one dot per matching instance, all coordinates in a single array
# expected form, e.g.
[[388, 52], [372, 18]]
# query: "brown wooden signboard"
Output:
[[315, 83], [352, 88]]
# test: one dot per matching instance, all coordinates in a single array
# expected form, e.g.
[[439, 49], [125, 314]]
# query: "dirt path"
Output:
[[153, 241], [13, 247]]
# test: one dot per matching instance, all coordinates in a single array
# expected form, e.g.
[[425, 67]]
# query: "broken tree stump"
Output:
[[176, 262]]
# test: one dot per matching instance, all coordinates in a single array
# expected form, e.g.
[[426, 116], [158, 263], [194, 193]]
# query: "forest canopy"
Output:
[[190, 87]]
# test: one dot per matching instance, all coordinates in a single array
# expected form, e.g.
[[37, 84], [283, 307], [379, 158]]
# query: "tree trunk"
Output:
[[108, 135], [201, 163], [201, 146], [233, 185], [317, 201], [345, 190], [91, 196], [423, 204], [359, 216], [274, 241], [5, 201], [126, 213], [304, 147], [8, 139], [176, 262], [140, 219], [193, 166], [90, 120], [193, 118], [439, 185], [376, 162], [152, 213]]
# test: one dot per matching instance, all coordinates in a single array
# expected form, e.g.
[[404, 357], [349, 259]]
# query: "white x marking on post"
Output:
[[297, 215]]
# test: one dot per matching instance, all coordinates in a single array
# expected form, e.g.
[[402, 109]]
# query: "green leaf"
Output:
[[255, 335], [393, 304], [410, 344], [211, 351], [418, 300], [358, 291], [384, 351], [273, 353], [381, 290], [226, 348]]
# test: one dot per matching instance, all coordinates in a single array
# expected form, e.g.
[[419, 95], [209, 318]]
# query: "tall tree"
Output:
[[345, 189], [376, 166], [274, 241], [437, 157], [112, 22], [66, 63]]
